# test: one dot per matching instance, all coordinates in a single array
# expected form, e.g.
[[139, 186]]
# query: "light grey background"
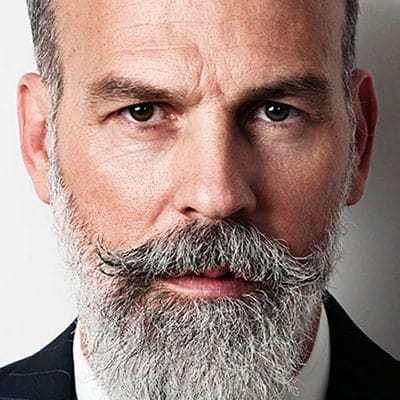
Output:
[[35, 299]]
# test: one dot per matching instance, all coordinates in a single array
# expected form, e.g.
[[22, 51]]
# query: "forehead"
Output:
[[159, 37]]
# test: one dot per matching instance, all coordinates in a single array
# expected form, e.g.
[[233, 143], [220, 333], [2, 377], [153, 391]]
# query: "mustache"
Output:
[[198, 247]]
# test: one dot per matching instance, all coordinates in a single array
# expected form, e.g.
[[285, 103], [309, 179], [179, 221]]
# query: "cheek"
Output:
[[302, 197], [118, 193]]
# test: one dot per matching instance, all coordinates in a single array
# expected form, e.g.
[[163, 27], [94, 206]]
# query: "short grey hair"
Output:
[[42, 14]]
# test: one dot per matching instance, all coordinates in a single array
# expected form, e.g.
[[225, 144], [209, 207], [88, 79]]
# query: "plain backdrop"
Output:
[[35, 299]]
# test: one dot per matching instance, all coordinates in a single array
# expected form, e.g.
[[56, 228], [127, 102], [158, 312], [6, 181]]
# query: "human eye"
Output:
[[272, 120], [276, 113], [144, 113]]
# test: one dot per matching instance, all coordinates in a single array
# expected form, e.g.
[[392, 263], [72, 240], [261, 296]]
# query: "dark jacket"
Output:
[[359, 368]]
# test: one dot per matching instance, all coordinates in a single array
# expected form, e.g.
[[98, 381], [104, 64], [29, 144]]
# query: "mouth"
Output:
[[215, 283]]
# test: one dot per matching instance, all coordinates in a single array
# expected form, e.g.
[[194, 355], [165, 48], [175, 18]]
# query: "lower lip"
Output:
[[209, 288]]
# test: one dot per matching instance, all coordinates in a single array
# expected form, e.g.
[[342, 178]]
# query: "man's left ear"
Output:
[[365, 111]]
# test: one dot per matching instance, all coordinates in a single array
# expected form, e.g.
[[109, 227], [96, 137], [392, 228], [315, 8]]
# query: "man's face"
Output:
[[210, 142], [204, 153]]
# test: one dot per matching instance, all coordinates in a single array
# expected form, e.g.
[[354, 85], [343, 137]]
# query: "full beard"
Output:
[[143, 341]]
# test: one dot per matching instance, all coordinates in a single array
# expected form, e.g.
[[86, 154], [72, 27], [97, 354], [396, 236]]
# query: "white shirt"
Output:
[[312, 380], [86, 385], [314, 377]]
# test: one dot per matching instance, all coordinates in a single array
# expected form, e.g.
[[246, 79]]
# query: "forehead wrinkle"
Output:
[[143, 34], [190, 15]]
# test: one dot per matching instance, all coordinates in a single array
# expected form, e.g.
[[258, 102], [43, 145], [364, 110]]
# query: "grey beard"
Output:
[[145, 342], [196, 349]]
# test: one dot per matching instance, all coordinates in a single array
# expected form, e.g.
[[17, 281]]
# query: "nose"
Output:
[[213, 171]]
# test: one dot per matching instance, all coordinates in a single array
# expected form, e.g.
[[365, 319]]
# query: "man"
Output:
[[197, 156]]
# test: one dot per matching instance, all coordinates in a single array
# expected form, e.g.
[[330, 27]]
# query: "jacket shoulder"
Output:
[[47, 374], [360, 369]]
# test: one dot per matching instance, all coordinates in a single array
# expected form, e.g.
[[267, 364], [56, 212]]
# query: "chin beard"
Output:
[[145, 342], [174, 348]]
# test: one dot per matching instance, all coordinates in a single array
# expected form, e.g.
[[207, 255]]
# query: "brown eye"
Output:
[[274, 113], [277, 112], [141, 112]]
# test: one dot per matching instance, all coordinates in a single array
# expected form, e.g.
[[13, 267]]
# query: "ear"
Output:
[[33, 112], [365, 110]]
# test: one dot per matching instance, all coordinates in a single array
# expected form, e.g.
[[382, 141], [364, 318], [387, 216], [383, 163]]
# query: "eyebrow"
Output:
[[116, 89], [312, 88]]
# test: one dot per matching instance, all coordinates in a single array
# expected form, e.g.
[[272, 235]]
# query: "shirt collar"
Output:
[[312, 380]]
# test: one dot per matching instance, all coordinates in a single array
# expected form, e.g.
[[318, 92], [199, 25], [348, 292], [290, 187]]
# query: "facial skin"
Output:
[[209, 154], [209, 151]]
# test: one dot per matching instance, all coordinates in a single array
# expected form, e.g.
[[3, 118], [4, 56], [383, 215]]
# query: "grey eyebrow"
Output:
[[111, 88], [313, 89]]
